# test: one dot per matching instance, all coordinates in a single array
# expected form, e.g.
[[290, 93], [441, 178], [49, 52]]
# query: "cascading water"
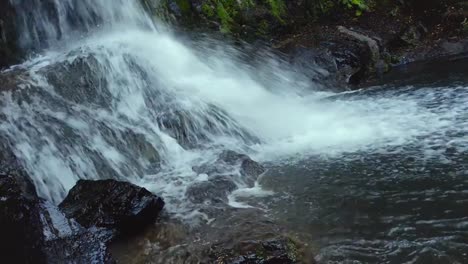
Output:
[[111, 96]]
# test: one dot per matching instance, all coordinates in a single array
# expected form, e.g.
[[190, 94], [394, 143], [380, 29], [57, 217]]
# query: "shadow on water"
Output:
[[444, 71]]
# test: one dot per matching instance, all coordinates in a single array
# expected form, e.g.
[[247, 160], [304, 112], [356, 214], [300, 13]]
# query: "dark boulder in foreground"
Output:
[[20, 221], [35, 231], [111, 204]]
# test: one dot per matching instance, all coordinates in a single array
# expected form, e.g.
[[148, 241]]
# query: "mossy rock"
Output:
[[244, 18]]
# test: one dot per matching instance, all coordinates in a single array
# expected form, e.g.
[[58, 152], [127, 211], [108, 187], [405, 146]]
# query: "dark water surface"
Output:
[[407, 204]]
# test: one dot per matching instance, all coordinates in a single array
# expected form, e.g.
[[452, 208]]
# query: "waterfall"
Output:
[[106, 94]]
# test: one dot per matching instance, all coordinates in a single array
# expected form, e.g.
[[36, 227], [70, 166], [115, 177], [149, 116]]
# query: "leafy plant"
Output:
[[359, 5]]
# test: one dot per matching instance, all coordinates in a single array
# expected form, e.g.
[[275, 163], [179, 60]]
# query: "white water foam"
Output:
[[225, 104]]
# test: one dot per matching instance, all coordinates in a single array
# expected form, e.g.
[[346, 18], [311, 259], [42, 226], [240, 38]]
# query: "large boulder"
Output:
[[111, 204], [35, 231], [22, 240]]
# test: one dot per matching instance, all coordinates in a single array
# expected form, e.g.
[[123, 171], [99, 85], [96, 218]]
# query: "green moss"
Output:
[[208, 10], [293, 253], [244, 4], [465, 24], [184, 6], [277, 7], [263, 27], [224, 17]]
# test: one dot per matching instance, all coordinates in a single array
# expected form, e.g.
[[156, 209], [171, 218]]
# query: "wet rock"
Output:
[[9, 52], [68, 242], [35, 231], [413, 34], [111, 204], [247, 19], [215, 190], [230, 170], [248, 236], [275, 250], [232, 236], [454, 47], [248, 168], [20, 221], [80, 81]]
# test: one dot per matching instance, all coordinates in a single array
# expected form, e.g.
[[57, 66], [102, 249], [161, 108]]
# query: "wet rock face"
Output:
[[111, 204], [20, 223], [9, 53]]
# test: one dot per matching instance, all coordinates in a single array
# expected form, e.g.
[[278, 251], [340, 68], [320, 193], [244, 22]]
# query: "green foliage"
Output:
[[263, 28], [244, 4], [465, 24], [277, 8], [225, 17], [184, 6], [359, 5], [230, 12], [208, 10]]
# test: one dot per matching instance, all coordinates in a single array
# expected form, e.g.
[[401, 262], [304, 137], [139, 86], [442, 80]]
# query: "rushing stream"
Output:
[[378, 176]]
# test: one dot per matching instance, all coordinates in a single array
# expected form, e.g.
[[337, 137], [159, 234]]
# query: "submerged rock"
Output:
[[248, 168], [230, 161], [225, 175], [215, 190], [233, 236], [275, 250], [111, 204]]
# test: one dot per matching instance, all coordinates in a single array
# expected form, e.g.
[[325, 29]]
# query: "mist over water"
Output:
[[147, 106]]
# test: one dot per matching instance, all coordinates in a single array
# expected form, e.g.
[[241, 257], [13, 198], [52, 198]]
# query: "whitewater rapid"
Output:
[[147, 75]]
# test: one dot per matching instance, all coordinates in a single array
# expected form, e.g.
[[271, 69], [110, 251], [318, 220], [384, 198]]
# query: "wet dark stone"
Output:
[[215, 190], [20, 224], [248, 168], [80, 81], [272, 251], [35, 231], [9, 52], [111, 204], [229, 168]]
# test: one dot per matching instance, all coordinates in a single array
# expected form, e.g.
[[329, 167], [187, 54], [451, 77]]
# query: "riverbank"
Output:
[[355, 45]]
